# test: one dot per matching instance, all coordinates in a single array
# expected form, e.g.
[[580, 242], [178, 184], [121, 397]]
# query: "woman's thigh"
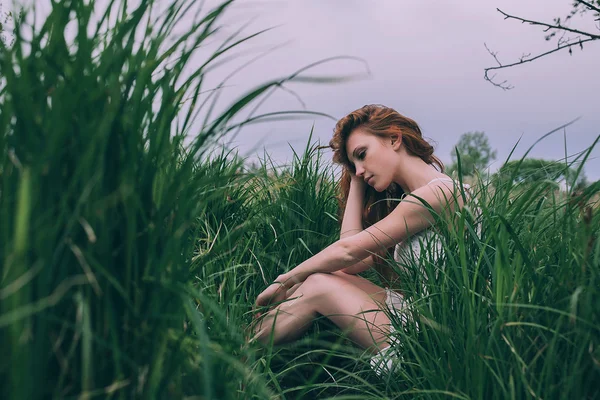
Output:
[[376, 292], [355, 310]]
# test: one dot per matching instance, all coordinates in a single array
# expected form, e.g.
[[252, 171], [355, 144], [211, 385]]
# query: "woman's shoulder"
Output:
[[452, 186], [445, 179]]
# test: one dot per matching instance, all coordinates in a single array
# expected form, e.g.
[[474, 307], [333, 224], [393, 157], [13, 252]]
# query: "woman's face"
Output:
[[374, 158]]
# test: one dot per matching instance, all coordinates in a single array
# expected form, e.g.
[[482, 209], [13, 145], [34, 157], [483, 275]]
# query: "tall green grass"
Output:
[[513, 311], [508, 310], [130, 260]]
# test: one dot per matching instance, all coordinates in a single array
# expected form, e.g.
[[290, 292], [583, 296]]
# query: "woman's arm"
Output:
[[409, 217], [352, 219], [359, 267]]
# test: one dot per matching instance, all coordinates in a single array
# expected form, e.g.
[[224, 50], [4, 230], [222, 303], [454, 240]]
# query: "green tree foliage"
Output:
[[474, 151], [532, 170]]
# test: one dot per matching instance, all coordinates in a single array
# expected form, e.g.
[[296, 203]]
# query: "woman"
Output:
[[384, 157]]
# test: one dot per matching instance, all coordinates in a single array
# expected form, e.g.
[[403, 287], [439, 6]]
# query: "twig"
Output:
[[562, 43], [491, 80], [549, 26], [589, 5], [526, 60]]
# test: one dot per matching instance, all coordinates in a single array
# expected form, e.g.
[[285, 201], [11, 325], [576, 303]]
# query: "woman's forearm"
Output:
[[352, 220], [333, 258], [336, 256], [359, 266]]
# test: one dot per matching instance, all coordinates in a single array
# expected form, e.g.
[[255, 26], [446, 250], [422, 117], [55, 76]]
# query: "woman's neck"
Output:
[[414, 173]]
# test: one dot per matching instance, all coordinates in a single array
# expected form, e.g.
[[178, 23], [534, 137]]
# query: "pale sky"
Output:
[[426, 60], [423, 58]]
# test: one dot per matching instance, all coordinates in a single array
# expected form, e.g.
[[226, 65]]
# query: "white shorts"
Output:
[[387, 359], [395, 304]]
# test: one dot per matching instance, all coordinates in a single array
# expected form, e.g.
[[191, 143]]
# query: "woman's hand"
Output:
[[275, 292], [357, 180]]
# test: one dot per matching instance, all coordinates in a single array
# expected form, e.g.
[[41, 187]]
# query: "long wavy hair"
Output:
[[383, 122]]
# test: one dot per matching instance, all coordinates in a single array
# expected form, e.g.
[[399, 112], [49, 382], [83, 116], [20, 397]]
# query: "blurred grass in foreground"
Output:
[[129, 262]]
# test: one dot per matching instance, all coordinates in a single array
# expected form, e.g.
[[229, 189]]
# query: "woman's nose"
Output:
[[360, 171]]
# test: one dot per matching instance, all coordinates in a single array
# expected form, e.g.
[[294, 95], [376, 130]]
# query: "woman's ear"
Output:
[[396, 141]]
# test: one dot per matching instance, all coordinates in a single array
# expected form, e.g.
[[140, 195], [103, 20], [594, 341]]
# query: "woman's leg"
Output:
[[351, 302], [366, 285]]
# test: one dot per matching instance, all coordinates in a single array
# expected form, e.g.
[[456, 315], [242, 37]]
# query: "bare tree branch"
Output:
[[549, 26], [526, 60], [562, 43], [504, 85]]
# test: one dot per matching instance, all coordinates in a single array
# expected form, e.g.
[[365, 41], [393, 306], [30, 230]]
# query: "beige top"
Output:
[[425, 240]]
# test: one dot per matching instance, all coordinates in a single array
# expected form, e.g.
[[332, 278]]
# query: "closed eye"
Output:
[[361, 155]]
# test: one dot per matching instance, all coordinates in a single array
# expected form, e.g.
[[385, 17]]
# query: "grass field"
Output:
[[130, 261]]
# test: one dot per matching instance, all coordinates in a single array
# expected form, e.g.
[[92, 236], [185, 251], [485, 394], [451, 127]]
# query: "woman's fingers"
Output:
[[270, 294], [264, 298]]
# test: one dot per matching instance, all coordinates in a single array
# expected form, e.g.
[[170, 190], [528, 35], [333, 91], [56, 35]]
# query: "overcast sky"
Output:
[[426, 60]]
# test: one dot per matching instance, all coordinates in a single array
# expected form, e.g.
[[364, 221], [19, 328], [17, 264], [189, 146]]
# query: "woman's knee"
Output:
[[319, 284]]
